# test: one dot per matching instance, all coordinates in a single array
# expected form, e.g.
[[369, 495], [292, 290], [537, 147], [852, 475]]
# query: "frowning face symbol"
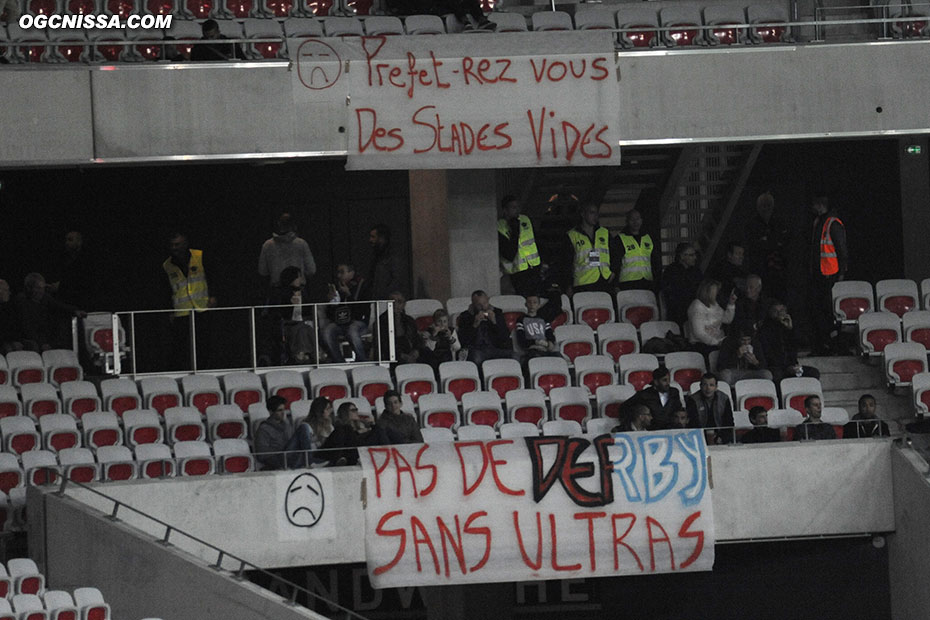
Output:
[[305, 503], [318, 64]]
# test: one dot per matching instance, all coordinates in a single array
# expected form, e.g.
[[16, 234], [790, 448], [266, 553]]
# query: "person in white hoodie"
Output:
[[706, 318]]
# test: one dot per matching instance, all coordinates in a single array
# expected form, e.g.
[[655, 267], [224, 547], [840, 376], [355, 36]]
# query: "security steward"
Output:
[[516, 245], [829, 261], [636, 261], [589, 254], [187, 279]]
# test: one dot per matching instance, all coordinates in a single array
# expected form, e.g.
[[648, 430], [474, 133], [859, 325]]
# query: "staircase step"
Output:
[[851, 381]]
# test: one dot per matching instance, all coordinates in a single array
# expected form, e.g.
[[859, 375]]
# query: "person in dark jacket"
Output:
[[779, 345], [42, 319], [760, 433], [387, 273], [741, 356], [813, 427], [273, 435], [708, 408], [661, 399], [865, 423], [680, 282], [215, 51], [483, 329]]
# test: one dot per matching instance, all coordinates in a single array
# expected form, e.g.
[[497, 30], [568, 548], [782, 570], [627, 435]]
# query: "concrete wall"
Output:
[[909, 546], [473, 231]]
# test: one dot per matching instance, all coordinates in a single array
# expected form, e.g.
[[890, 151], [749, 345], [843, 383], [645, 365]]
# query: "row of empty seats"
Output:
[[853, 298], [202, 9], [23, 596]]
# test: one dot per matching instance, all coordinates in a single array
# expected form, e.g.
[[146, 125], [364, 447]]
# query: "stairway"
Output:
[[845, 379]]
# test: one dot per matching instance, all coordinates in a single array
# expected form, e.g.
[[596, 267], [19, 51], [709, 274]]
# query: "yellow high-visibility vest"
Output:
[[188, 293], [527, 254], [591, 262], [637, 263]]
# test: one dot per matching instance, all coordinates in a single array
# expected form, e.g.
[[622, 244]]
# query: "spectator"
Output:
[[387, 273], [741, 357], [406, 336], [187, 284], [829, 261], [440, 342], [348, 320], [706, 318], [760, 433], [9, 323], [534, 333], [660, 398], [585, 255], [215, 51], [273, 435], [42, 319], [310, 433], [750, 307], [765, 239], [284, 249], [708, 408], [350, 432], [866, 422], [516, 245], [813, 427], [484, 331], [730, 273], [680, 419], [779, 345], [75, 277], [635, 262], [680, 282], [296, 326], [398, 427], [637, 418]]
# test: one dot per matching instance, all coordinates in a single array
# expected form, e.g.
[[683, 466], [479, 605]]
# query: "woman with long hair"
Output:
[[706, 318], [310, 433]]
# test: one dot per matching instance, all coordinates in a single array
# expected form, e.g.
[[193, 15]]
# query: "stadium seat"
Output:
[[10, 404], [29, 53], [358, 7], [41, 467], [243, 389], [437, 434], [90, 602], [687, 21], [4, 369], [755, 393], [41, 7], [154, 460], [455, 306], [851, 299], [39, 399], [78, 464], [98, 326], [116, 463], [508, 22], [333, 383], [920, 388], [548, 21], [194, 458], [741, 420], [877, 330], [315, 9], [513, 307], [101, 428], [794, 390], [143, 426], [29, 607], [897, 296], [516, 430], [566, 316], [195, 9], [424, 24], [19, 434], [406, 405], [160, 393], [610, 398], [258, 413], [685, 368], [925, 293], [226, 422], [79, 397], [421, 310], [11, 474], [570, 403], [918, 28], [371, 382], [600, 426], [99, 337], [548, 372], [343, 27], [635, 16], [120, 395], [255, 28], [60, 605], [902, 361], [383, 25], [916, 326], [201, 391], [837, 417], [233, 456], [482, 408], [415, 380], [27, 579], [149, 47], [575, 340], [59, 432], [527, 406], [657, 329], [785, 420], [561, 427], [302, 27], [617, 339], [594, 18], [772, 14], [502, 376], [439, 410], [594, 371], [62, 366], [287, 384], [636, 369], [80, 7], [25, 367], [183, 424], [593, 308], [721, 21], [159, 7], [459, 378], [637, 307], [477, 432]]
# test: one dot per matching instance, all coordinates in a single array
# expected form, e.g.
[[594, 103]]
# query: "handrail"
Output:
[[221, 554]]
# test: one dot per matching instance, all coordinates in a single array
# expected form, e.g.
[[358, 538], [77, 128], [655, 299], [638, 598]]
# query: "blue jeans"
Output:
[[353, 331]]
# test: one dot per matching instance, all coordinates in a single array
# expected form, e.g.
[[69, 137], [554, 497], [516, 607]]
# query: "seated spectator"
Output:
[[730, 273], [397, 426], [760, 433], [348, 320], [741, 357], [273, 435], [637, 418], [296, 325], [350, 432], [310, 433], [660, 398], [440, 342], [707, 408], [215, 51], [706, 318], [680, 282], [43, 320], [484, 331], [751, 307], [813, 427], [680, 419], [406, 336], [779, 345], [534, 333], [9, 323], [866, 422]]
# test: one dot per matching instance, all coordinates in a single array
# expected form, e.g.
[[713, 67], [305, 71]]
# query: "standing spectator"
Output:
[[310, 433], [708, 408], [706, 318], [187, 281], [866, 422], [483, 329], [813, 427], [273, 435], [730, 273], [585, 261], [399, 427], [637, 418], [779, 345], [829, 261], [406, 336], [516, 244], [635, 260], [765, 239], [741, 357], [680, 282], [440, 342], [660, 398], [534, 333], [74, 275], [42, 319], [9, 322], [760, 433], [387, 273], [285, 249], [296, 326], [751, 307], [350, 319]]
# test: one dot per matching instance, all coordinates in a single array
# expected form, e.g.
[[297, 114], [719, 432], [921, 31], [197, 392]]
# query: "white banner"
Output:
[[538, 508]]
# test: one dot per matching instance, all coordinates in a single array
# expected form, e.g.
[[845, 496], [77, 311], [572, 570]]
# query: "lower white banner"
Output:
[[538, 508]]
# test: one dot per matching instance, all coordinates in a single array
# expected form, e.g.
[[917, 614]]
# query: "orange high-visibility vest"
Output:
[[829, 265]]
